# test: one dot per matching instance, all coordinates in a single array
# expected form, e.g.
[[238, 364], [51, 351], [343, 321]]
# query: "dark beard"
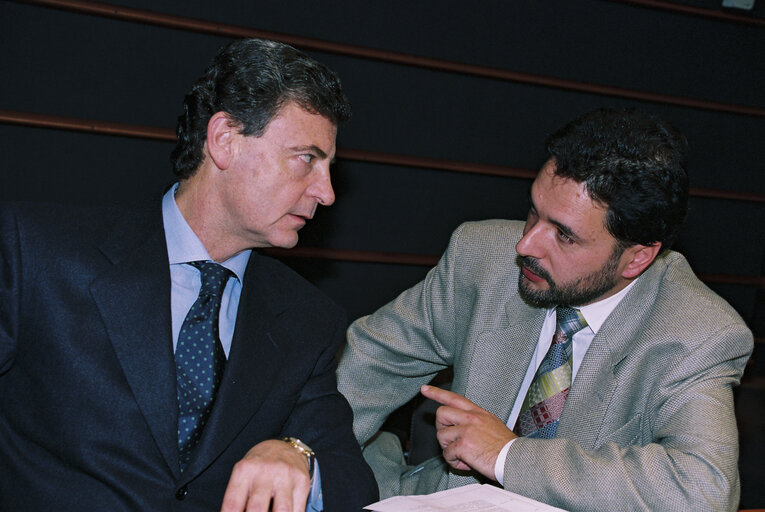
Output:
[[582, 291]]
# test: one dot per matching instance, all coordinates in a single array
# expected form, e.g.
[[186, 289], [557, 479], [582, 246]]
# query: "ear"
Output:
[[221, 131], [637, 259]]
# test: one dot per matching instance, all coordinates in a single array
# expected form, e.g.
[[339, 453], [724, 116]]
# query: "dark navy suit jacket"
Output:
[[88, 407]]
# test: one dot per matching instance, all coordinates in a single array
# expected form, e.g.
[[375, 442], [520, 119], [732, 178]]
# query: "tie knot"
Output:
[[570, 320], [214, 277]]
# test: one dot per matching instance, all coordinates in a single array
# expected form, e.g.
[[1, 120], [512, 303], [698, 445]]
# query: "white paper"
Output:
[[470, 498]]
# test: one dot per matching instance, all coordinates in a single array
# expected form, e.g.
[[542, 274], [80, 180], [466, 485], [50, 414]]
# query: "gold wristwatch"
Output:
[[303, 448]]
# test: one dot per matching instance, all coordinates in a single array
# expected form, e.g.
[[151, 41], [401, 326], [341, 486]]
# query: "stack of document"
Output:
[[470, 498]]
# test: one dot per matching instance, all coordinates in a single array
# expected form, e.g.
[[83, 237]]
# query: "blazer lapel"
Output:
[[590, 393], [500, 359], [133, 297], [497, 365], [595, 383]]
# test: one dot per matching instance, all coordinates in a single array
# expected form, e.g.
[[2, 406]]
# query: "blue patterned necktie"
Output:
[[199, 358], [548, 391]]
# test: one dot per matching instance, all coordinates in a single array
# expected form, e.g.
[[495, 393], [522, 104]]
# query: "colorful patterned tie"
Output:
[[548, 391], [199, 358]]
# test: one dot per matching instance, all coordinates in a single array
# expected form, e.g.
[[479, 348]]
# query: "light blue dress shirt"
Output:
[[183, 246]]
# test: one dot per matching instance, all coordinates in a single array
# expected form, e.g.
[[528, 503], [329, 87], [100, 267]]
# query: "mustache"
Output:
[[533, 265]]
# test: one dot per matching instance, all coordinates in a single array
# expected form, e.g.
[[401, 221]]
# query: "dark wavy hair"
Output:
[[250, 80], [634, 164]]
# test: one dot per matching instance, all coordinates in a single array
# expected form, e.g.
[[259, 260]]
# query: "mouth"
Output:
[[531, 276], [533, 271], [305, 214], [300, 220]]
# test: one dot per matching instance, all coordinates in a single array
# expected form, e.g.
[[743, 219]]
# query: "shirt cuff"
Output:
[[315, 499], [499, 466]]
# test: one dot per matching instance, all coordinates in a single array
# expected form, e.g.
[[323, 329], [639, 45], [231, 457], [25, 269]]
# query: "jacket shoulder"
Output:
[[490, 231], [58, 219], [485, 247], [669, 306], [682, 292], [290, 285]]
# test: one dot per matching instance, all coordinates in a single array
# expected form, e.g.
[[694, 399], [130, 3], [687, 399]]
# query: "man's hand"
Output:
[[272, 474], [470, 437]]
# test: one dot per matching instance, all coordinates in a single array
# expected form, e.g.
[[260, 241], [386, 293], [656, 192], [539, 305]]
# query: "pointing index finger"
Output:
[[448, 398]]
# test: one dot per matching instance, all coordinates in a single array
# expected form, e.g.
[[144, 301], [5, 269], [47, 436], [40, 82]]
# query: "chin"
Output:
[[535, 296], [284, 242], [530, 286]]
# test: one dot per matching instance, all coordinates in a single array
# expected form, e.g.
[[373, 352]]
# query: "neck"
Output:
[[202, 213]]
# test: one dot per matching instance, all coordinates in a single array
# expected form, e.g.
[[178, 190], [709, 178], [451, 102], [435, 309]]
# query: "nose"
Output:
[[322, 188], [529, 244]]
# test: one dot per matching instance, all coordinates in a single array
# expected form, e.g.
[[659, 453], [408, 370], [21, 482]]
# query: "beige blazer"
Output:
[[648, 423]]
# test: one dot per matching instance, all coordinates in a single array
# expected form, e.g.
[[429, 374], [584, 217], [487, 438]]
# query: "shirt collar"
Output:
[[597, 312], [184, 246]]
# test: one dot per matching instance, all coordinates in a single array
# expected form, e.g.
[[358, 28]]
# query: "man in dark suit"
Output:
[[149, 360]]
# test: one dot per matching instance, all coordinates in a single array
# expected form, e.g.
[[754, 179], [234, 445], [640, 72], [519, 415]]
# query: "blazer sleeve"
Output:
[[683, 455], [400, 347], [322, 419]]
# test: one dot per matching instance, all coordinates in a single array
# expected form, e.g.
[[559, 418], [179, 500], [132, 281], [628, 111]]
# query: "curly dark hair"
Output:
[[634, 164], [250, 80]]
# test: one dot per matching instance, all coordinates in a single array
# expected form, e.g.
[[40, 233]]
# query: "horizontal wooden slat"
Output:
[[147, 132], [437, 164], [85, 125], [757, 281], [222, 29], [425, 260], [430, 260]]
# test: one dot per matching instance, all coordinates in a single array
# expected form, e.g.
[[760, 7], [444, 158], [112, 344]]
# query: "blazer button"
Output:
[[181, 493]]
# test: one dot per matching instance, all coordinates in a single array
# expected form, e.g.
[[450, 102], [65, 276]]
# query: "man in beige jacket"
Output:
[[640, 414]]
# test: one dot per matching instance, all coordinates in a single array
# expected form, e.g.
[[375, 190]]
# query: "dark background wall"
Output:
[[76, 66]]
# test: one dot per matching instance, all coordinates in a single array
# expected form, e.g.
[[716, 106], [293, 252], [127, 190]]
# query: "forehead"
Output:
[[565, 202], [296, 126]]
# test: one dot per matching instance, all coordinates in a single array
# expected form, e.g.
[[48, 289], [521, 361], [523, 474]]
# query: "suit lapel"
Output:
[[595, 383], [497, 365], [500, 359], [133, 297], [590, 393]]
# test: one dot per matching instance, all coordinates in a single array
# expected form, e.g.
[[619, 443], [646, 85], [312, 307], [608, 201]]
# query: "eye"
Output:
[[307, 158], [565, 238]]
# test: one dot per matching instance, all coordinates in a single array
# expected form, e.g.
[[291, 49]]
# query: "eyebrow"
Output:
[[566, 230]]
